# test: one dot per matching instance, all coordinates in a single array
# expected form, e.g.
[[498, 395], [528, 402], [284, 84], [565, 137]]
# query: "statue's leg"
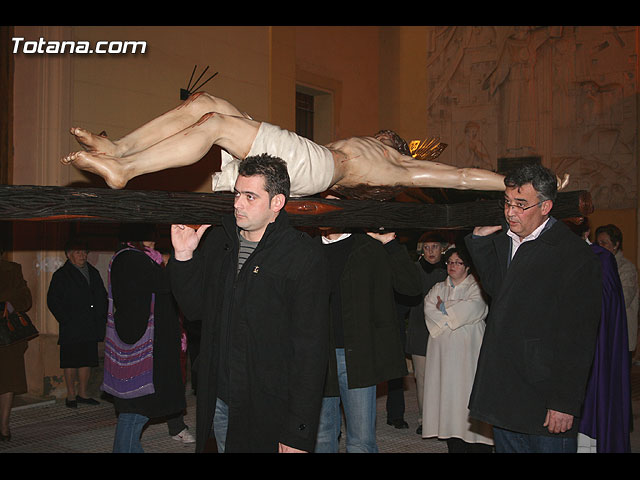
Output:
[[164, 126], [234, 134]]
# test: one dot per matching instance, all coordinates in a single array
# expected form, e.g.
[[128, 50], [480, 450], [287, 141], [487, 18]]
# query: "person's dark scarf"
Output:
[[430, 267]]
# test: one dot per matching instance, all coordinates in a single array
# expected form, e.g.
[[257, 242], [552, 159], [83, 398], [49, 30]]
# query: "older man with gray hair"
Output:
[[545, 288]]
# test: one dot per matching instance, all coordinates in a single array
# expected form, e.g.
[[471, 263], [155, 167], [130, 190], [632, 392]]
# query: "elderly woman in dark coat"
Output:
[[137, 273], [78, 300]]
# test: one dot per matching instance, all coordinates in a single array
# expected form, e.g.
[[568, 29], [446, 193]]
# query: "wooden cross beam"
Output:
[[46, 203]]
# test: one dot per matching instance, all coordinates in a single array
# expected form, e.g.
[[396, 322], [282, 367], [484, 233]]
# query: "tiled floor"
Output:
[[50, 427]]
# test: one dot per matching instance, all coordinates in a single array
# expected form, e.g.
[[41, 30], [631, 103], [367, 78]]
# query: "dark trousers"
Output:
[[457, 445], [395, 399]]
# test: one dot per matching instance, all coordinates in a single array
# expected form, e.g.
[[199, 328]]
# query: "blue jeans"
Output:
[[128, 431], [507, 441], [360, 415], [220, 424]]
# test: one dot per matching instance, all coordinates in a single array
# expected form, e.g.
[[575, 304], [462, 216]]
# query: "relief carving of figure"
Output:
[[471, 151], [514, 76]]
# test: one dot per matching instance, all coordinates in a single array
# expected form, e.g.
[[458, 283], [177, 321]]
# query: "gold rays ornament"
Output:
[[428, 149]]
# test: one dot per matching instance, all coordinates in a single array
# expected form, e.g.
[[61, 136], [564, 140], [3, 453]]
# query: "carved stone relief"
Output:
[[564, 94]]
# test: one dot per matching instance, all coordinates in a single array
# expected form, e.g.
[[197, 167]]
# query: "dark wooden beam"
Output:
[[42, 203]]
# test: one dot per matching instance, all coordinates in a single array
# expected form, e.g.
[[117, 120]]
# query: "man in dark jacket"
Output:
[[260, 289], [545, 286], [366, 345], [78, 300]]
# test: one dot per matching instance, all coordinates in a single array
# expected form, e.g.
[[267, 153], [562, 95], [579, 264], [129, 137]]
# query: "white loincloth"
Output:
[[310, 165], [225, 179]]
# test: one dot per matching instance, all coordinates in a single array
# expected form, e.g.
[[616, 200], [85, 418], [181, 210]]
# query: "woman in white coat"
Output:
[[454, 312]]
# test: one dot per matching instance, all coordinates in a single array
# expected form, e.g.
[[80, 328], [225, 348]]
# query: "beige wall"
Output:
[[343, 60], [403, 81], [118, 93]]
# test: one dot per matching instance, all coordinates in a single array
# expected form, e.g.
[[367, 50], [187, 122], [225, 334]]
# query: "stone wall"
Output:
[[564, 94]]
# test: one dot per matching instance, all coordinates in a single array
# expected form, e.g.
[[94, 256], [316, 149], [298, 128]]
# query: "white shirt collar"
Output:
[[516, 241], [326, 240]]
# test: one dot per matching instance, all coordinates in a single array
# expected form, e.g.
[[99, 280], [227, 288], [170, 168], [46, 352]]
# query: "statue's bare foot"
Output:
[[111, 169], [94, 143], [562, 182]]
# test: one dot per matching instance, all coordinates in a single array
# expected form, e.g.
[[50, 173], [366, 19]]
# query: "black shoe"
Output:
[[88, 401], [419, 430], [399, 423], [5, 438], [71, 403]]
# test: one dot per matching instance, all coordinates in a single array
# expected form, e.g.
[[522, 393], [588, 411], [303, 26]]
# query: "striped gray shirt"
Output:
[[246, 249]]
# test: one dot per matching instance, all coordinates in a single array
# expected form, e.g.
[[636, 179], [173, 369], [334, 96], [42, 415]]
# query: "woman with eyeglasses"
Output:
[[454, 312]]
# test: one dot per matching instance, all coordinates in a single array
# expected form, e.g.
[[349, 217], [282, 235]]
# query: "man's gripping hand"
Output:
[[484, 231], [185, 240]]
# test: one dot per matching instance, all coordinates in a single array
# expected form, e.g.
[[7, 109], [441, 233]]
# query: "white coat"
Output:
[[452, 355]]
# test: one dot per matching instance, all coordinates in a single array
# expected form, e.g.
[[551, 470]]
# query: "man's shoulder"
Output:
[[569, 252], [128, 258], [297, 240], [295, 252], [213, 235], [364, 240], [573, 244], [66, 266], [93, 269]]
